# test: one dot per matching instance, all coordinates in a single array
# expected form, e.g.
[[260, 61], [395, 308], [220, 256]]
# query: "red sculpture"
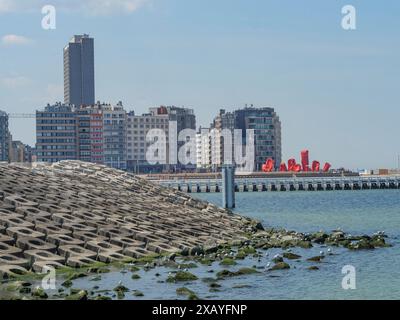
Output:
[[315, 166], [269, 165], [283, 167], [292, 166], [327, 166], [305, 160], [297, 168]]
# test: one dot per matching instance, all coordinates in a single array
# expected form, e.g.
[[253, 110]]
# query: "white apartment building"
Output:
[[203, 149], [142, 132]]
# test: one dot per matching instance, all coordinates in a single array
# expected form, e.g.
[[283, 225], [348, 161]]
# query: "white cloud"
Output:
[[13, 39], [91, 7], [7, 6], [14, 82]]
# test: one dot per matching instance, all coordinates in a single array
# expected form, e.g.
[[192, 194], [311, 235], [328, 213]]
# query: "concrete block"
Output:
[[136, 252], [9, 259], [79, 262], [32, 211], [76, 251], [98, 246], [111, 256], [19, 201], [77, 227], [15, 221], [37, 220], [39, 266], [21, 232], [40, 255], [63, 240], [10, 250], [49, 229], [35, 244], [88, 236], [53, 208], [63, 218], [11, 271], [124, 242], [160, 247], [6, 212], [7, 240], [111, 232]]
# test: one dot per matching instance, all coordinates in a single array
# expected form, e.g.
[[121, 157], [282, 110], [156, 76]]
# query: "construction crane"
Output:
[[21, 115]]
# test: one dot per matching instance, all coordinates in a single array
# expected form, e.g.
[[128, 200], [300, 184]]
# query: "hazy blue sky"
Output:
[[337, 92]]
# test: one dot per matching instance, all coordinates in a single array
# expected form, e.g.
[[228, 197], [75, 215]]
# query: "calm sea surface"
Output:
[[356, 212]]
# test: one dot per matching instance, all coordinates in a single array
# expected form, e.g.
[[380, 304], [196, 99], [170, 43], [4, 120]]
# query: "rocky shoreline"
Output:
[[221, 262], [87, 220]]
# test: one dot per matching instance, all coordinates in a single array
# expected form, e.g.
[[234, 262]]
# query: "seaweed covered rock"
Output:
[[182, 276], [279, 266]]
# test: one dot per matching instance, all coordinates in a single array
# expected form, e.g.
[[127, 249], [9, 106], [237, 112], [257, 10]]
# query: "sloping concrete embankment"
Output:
[[73, 213]]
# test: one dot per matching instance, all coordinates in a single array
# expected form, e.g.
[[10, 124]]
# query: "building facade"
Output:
[[56, 134], [267, 133], [142, 131], [204, 149], [18, 152], [265, 124], [114, 136], [79, 80], [90, 133], [5, 137], [107, 134]]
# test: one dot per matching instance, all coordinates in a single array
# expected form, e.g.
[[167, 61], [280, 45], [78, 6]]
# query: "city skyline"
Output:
[[327, 86]]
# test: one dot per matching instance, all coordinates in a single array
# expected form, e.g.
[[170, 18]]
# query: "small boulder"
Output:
[[280, 266]]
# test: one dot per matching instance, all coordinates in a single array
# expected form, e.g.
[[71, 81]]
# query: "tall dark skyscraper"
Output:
[[79, 71]]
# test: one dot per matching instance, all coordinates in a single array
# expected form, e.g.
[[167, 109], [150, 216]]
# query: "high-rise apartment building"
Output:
[[267, 134], [18, 152], [4, 137], [184, 117], [114, 136], [79, 81], [139, 138], [204, 148], [90, 133], [56, 134]]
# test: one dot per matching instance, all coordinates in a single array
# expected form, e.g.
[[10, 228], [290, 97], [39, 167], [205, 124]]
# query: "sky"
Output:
[[336, 91]]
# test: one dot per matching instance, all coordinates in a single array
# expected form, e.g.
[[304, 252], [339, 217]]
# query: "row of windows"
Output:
[[55, 134], [56, 141], [54, 154], [114, 115], [56, 147], [113, 122], [65, 121], [260, 120], [54, 115], [148, 120], [148, 126], [65, 128]]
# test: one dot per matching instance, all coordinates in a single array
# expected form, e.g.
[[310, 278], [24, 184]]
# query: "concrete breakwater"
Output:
[[258, 184], [75, 214]]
